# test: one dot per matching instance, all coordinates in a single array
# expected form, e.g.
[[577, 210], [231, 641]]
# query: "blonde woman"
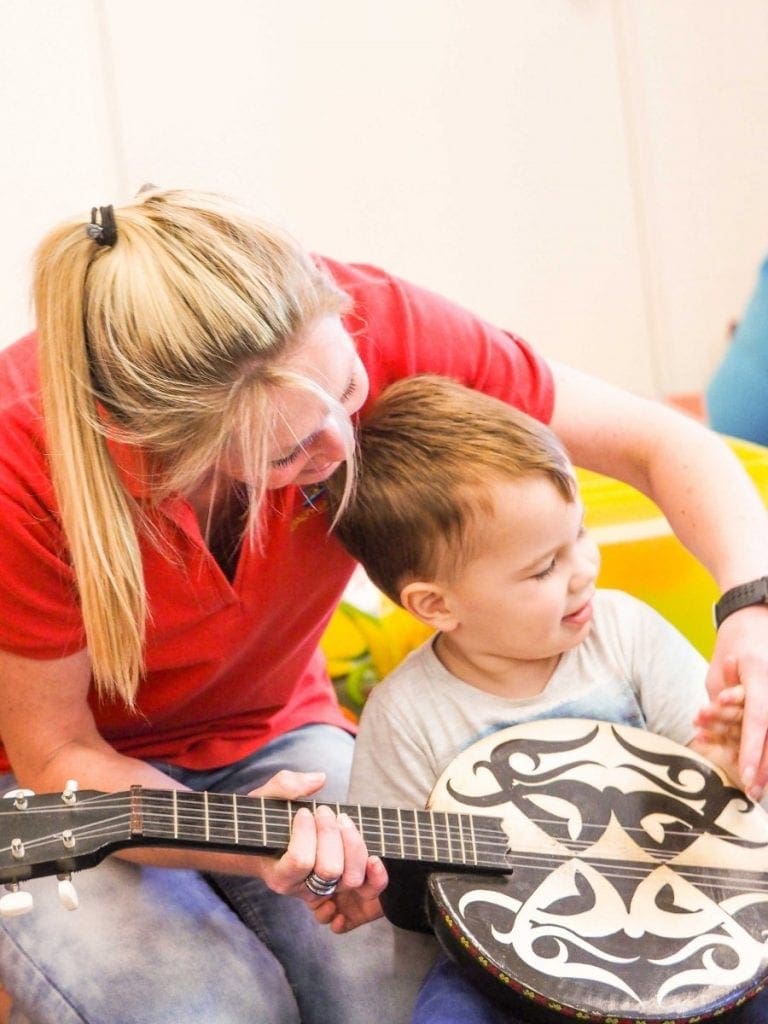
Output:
[[167, 572]]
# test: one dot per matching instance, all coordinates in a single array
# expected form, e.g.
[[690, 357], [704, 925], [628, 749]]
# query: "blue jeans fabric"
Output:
[[447, 997], [159, 946]]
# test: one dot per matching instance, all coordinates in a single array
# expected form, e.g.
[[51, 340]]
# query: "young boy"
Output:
[[467, 513]]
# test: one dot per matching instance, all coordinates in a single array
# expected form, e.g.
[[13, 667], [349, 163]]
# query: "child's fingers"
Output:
[[731, 695], [728, 718]]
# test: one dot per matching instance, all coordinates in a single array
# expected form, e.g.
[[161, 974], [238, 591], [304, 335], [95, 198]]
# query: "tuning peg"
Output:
[[67, 893], [15, 902], [69, 793], [19, 797]]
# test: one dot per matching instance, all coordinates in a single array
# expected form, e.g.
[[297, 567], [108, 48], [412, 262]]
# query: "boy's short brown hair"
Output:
[[428, 451]]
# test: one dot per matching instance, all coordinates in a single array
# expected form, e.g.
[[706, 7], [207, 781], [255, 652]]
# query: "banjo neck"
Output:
[[59, 833], [231, 822]]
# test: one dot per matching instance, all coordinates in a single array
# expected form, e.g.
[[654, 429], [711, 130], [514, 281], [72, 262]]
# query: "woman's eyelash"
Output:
[[349, 390], [286, 459]]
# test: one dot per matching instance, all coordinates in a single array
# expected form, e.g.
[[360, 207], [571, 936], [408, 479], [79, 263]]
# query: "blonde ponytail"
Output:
[[96, 512], [167, 340]]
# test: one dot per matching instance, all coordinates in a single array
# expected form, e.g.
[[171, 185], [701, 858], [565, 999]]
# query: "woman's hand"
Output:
[[741, 653], [345, 910], [328, 846]]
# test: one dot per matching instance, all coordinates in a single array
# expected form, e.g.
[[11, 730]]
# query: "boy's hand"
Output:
[[719, 725]]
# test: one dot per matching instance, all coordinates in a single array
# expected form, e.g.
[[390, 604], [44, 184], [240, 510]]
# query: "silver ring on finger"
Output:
[[319, 886]]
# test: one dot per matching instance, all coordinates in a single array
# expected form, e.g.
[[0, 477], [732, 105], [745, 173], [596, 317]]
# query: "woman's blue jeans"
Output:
[[160, 946]]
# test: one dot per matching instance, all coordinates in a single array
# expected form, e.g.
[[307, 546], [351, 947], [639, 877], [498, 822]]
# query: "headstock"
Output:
[[56, 834]]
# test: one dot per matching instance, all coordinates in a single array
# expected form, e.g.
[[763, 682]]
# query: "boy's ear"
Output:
[[428, 603]]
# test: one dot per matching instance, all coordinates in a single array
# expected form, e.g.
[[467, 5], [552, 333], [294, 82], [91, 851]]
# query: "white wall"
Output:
[[589, 173]]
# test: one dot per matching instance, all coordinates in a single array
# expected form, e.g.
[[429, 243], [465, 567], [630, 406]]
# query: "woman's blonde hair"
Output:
[[428, 453], [171, 340]]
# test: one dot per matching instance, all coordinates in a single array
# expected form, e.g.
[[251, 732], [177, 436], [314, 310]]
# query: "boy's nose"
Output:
[[585, 571]]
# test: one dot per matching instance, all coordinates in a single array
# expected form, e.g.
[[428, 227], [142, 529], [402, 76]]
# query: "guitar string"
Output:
[[488, 827], [407, 824], [535, 859], [442, 837], [615, 869]]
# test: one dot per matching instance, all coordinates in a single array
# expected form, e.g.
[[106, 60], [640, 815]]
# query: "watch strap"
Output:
[[754, 592]]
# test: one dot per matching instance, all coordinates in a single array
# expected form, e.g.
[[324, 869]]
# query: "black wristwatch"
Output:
[[755, 592]]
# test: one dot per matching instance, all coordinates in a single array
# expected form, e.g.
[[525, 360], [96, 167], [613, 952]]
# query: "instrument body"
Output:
[[578, 870], [640, 882]]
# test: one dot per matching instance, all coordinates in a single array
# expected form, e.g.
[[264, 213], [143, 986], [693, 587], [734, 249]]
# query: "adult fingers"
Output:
[[288, 785]]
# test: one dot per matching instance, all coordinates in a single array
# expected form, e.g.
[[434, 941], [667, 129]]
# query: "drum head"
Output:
[[640, 882]]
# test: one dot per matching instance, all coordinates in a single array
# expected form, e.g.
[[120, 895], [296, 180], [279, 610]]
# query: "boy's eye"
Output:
[[546, 572]]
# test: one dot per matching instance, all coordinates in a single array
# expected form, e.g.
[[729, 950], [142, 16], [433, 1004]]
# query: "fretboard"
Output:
[[254, 824]]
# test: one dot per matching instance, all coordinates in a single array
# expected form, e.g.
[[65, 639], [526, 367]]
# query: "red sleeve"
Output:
[[39, 608], [402, 330]]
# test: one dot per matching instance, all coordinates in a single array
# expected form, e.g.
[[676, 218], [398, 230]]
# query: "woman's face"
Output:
[[308, 442]]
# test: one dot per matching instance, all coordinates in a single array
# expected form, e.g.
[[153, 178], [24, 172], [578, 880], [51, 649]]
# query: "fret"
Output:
[[220, 823], [251, 823], [136, 816], [461, 839], [442, 838], [278, 823], [434, 835], [410, 835], [189, 815]]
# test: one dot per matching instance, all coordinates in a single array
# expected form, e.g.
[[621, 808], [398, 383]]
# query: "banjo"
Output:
[[577, 870]]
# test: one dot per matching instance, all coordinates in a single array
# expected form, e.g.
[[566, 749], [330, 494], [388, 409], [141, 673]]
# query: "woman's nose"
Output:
[[330, 443]]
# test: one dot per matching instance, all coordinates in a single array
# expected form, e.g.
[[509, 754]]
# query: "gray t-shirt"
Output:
[[633, 668]]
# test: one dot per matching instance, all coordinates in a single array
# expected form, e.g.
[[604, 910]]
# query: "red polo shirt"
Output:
[[229, 665]]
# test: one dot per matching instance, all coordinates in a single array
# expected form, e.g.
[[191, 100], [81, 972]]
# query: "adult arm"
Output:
[[50, 736], [712, 506]]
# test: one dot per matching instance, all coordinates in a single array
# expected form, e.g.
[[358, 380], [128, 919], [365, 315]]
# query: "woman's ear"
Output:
[[429, 604]]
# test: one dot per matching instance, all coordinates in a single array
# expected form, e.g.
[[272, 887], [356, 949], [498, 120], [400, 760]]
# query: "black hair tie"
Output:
[[103, 232]]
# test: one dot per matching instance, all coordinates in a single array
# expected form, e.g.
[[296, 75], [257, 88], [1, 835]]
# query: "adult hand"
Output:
[[321, 843], [347, 910], [741, 654]]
